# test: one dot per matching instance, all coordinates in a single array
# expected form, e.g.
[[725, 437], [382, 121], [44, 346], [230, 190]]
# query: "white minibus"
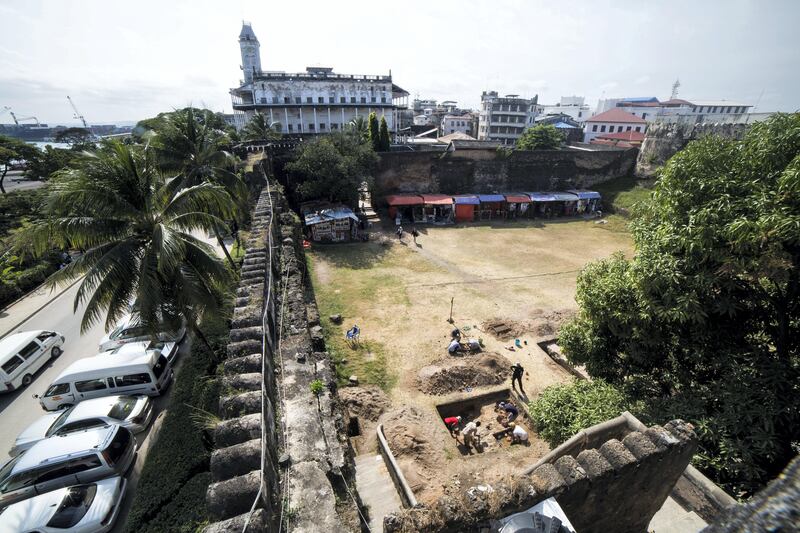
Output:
[[22, 354]]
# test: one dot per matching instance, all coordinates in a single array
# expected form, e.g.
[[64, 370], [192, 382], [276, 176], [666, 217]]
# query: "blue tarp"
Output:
[[468, 200], [565, 197], [541, 197], [585, 195], [564, 125], [486, 198], [326, 215]]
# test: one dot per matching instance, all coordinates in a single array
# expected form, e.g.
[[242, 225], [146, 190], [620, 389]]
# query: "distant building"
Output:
[[573, 106], [316, 101], [679, 110], [457, 124], [505, 118], [624, 139], [613, 121], [570, 128]]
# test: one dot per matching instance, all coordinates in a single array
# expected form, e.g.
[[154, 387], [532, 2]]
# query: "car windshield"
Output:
[[60, 388], [60, 421], [74, 506], [122, 408]]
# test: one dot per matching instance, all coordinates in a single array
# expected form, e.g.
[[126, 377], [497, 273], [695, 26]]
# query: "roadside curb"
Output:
[[48, 302]]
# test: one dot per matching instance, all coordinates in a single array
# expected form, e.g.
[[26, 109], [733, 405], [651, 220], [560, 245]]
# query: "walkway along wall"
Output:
[[307, 467], [492, 171]]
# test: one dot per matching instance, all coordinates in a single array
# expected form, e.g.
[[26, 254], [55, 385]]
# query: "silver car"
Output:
[[129, 330], [132, 412], [89, 508], [63, 461], [167, 349]]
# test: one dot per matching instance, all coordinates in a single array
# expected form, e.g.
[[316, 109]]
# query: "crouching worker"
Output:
[[518, 434], [470, 433], [510, 410], [453, 423], [454, 347]]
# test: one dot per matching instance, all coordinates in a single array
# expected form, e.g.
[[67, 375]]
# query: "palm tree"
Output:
[[359, 127], [139, 254], [259, 128], [187, 145]]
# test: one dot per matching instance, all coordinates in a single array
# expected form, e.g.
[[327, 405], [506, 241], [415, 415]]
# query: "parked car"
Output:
[[63, 461], [132, 412], [88, 508], [167, 349], [130, 330], [92, 377], [22, 354]]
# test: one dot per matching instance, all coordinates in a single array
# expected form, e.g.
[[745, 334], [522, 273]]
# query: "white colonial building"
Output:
[[505, 118], [614, 120], [312, 102], [572, 106], [679, 110], [457, 124]]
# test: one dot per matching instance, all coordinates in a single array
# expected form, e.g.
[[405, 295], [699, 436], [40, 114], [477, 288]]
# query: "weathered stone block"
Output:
[[237, 430], [237, 349], [240, 404], [258, 523], [245, 382], [547, 481], [639, 445], [594, 464], [243, 364], [236, 460], [233, 497]]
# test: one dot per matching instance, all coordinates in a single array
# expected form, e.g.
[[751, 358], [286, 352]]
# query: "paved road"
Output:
[[10, 185]]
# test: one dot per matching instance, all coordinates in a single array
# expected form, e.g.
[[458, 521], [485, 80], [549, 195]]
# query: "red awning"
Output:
[[517, 199], [437, 199], [404, 199]]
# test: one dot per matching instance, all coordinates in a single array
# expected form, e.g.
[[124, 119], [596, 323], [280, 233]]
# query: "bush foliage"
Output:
[[561, 411]]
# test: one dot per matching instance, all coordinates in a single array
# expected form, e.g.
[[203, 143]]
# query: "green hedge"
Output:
[[169, 489], [24, 281]]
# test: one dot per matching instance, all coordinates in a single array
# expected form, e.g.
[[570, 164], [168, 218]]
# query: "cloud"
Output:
[[641, 79]]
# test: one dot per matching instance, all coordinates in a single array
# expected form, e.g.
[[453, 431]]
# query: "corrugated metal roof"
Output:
[[485, 198], [585, 195], [466, 200], [565, 196], [518, 198], [326, 215], [437, 199], [617, 115], [404, 199], [541, 197]]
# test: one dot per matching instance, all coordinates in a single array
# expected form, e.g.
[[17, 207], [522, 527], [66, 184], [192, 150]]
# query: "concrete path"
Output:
[[376, 489], [672, 518]]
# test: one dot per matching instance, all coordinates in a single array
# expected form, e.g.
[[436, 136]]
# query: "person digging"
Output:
[[516, 376], [452, 423]]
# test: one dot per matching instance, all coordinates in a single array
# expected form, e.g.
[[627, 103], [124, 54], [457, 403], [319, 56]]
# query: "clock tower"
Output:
[[251, 56]]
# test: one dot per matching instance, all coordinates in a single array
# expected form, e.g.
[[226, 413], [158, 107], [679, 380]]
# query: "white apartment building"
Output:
[[505, 118], [316, 101], [612, 121], [457, 124], [573, 106], [679, 110]]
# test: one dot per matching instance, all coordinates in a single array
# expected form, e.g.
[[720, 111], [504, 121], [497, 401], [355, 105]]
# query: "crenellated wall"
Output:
[[617, 486], [490, 171]]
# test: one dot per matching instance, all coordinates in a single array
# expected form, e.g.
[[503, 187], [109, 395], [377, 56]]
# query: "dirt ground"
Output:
[[511, 284]]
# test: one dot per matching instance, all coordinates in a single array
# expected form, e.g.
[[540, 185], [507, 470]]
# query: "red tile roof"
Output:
[[634, 136], [617, 115]]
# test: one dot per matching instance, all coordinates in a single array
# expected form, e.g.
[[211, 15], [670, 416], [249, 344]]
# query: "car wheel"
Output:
[[56, 351], [26, 380]]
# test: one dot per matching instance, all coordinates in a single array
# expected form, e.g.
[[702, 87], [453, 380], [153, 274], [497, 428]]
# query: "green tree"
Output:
[[47, 162], [561, 411], [259, 128], [136, 233], [188, 146], [358, 127], [384, 141], [12, 149], [541, 137], [703, 322], [79, 139], [374, 134], [332, 168]]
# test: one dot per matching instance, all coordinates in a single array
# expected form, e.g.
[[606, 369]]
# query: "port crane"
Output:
[[78, 114], [17, 119]]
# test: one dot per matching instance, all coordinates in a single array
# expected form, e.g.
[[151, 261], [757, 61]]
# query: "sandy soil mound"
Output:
[[449, 375], [546, 324], [367, 403], [541, 323], [502, 328]]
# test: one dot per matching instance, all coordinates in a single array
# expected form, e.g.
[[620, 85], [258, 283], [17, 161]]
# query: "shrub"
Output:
[[563, 410]]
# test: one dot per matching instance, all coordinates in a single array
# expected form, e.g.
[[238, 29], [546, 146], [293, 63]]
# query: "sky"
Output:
[[127, 60]]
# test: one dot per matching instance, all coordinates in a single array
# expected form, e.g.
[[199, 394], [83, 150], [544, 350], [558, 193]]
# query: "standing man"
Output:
[[400, 233], [414, 233], [516, 376]]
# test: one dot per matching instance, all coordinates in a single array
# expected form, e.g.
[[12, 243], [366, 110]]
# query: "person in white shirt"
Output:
[[518, 433], [470, 433]]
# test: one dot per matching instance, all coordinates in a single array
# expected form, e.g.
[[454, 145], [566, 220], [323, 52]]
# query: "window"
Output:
[[363, 99], [331, 99], [286, 100], [594, 127], [12, 364], [56, 390], [619, 129], [334, 126], [119, 444], [76, 503], [29, 349], [352, 99], [628, 128], [131, 380], [638, 128], [373, 99], [296, 99], [383, 99], [43, 336], [81, 425], [123, 408], [70, 468], [603, 128], [262, 100], [309, 99], [321, 100], [321, 126], [291, 128], [274, 99], [311, 126], [90, 385], [580, 114], [644, 116]]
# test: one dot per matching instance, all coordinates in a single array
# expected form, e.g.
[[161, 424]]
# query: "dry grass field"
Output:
[[520, 273]]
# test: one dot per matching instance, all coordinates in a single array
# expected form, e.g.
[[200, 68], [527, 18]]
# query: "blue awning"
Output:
[[585, 195], [468, 200], [565, 197], [541, 197], [487, 198]]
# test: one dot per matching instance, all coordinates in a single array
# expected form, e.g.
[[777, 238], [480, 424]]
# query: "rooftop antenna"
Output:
[[675, 87]]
